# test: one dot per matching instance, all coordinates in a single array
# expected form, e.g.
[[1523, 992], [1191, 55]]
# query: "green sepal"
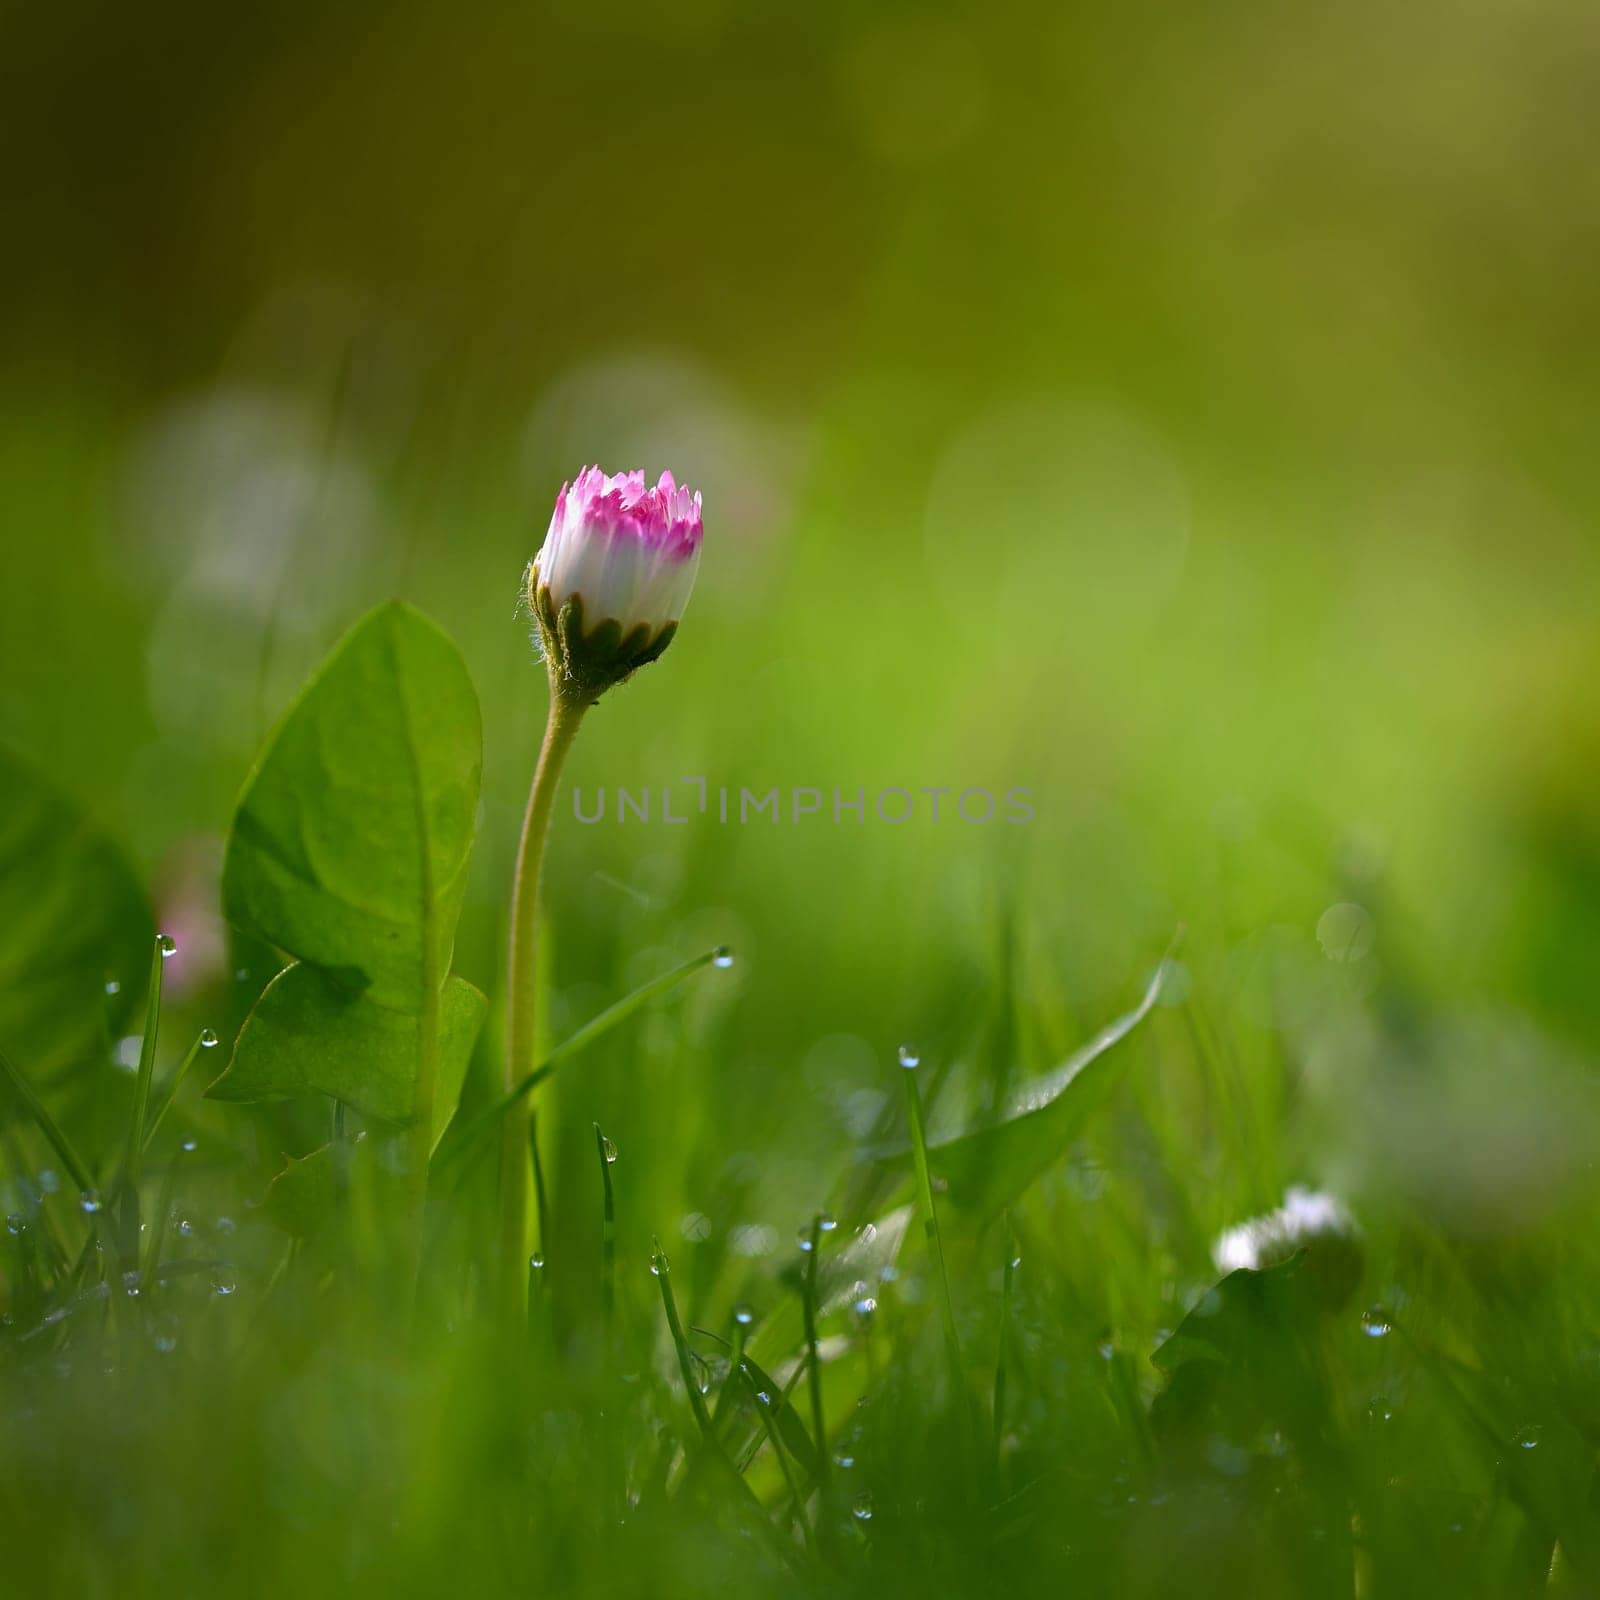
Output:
[[585, 661]]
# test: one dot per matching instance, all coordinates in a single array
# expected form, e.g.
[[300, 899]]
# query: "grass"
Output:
[[1049, 1392], [1287, 1440]]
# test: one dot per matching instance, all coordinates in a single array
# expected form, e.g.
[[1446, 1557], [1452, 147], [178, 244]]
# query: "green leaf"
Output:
[[307, 1035], [349, 850], [350, 846], [986, 1167], [306, 1196], [73, 919]]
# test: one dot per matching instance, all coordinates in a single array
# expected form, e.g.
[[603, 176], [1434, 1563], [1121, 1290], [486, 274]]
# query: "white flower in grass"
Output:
[[1308, 1220], [610, 584]]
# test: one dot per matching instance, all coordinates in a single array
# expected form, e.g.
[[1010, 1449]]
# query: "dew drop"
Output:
[[844, 1461], [225, 1224], [608, 1148], [15, 1223], [208, 1039], [167, 945], [659, 1264], [165, 1343], [1528, 1439], [744, 1315], [722, 956], [48, 1181], [223, 1282], [803, 1239], [826, 1223], [865, 1306], [1375, 1323], [189, 1146], [130, 1284], [89, 1201], [861, 1508], [908, 1058], [1379, 1410], [113, 987], [536, 1262]]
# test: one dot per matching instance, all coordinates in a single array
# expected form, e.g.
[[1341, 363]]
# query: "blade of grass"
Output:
[[612, 1486], [1012, 1263], [70, 1158], [764, 1411], [947, 1314], [169, 1092], [134, 1160], [808, 1295], [745, 1495], [462, 1144]]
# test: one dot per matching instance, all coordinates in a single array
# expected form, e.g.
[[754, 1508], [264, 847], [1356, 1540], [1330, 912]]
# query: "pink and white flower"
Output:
[[611, 581], [630, 552]]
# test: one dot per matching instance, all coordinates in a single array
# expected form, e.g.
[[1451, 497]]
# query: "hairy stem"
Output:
[[566, 712]]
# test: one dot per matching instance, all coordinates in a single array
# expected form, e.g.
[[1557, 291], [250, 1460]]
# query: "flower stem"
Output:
[[566, 712]]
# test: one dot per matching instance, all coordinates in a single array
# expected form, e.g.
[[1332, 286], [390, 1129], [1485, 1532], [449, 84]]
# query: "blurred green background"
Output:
[[1190, 417], [1186, 414]]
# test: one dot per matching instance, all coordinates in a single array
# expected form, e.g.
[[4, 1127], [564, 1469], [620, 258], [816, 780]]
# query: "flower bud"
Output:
[[611, 581]]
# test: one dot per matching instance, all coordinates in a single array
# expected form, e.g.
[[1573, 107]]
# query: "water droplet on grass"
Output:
[[1375, 1323], [130, 1284], [113, 987], [89, 1201], [908, 1057], [865, 1306], [189, 1146], [1379, 1410], [1528, 1439], [722, 956], [743, 1315], [803, 1239], [659, 1264], [15, 1223], [608, 1148], [826, 1224], [48, 1181], [843, 1461], [167, 945], [536, 1262], [208, 1039], [223, 1282], [861, 1508], [225, 1224]]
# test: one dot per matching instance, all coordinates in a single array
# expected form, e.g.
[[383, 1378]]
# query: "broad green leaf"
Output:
[[350, 846], [986, 1167], [73, 920], [349, 850], [307, 1035], [306, 1195]]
